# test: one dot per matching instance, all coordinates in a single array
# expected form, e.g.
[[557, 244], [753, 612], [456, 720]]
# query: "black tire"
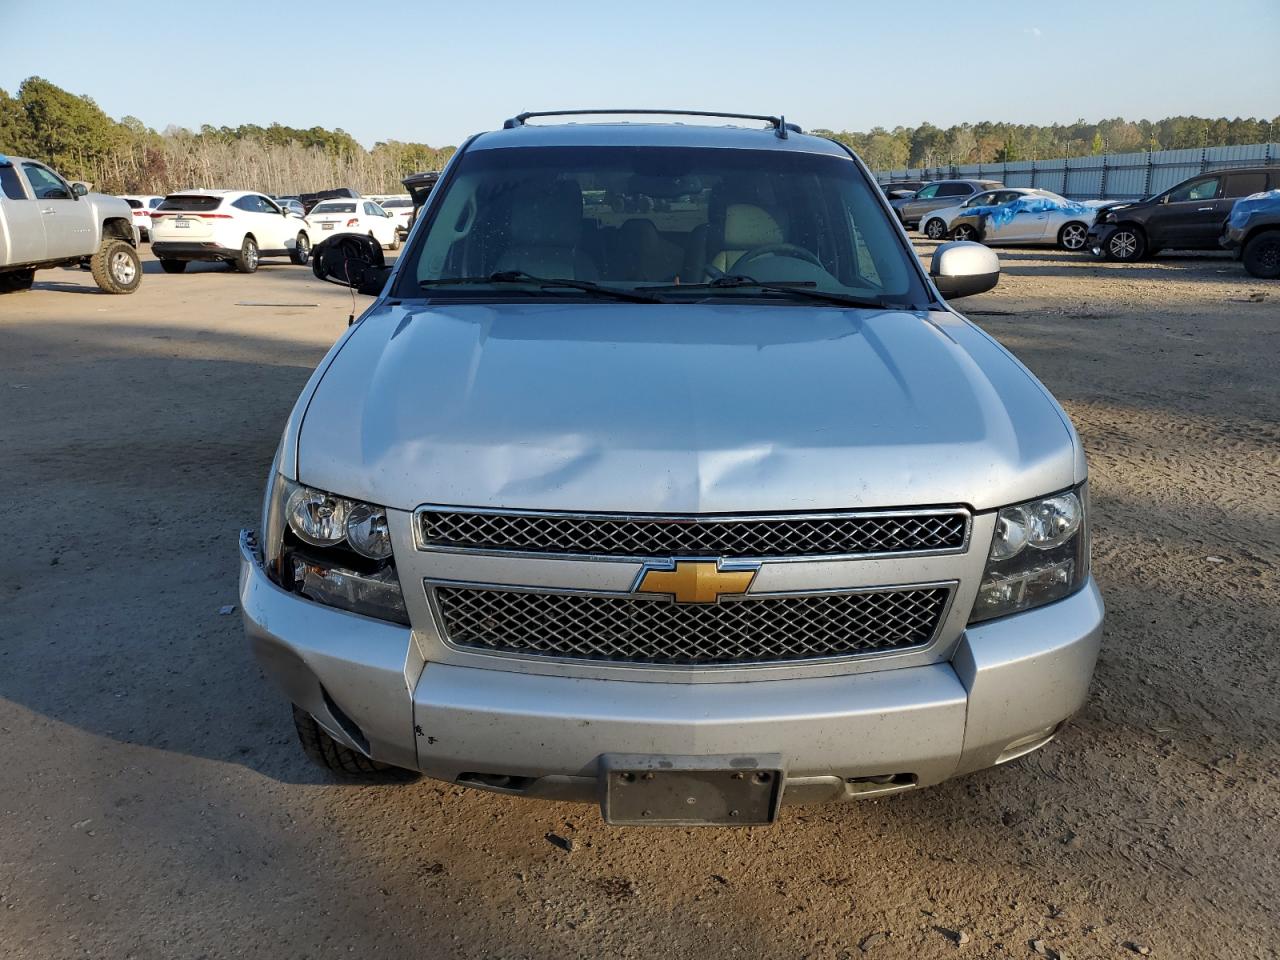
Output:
[[935, 229], [116, 267], [247, 262], [1261, 255], [395, 242], [16, 281], [324, 751], [965, 232], [173, 266], [301, 251], [1126, 244], [1073, 236]]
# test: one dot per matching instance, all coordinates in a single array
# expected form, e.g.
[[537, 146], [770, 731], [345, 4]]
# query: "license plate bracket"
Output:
[[686, 791]]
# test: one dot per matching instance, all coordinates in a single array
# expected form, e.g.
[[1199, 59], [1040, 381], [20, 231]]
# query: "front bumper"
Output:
[[169, 250], [1099, 236], [1008, 687], [1232, 239]]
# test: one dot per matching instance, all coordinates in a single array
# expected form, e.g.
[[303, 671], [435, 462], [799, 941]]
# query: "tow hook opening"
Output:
[[499, 782], [880, 783]]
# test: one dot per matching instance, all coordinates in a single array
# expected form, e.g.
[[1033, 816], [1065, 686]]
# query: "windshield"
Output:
[[629, 217], [334, 208]]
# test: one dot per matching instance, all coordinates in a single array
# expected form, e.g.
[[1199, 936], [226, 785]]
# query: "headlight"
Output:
[[332, 550], [1039, 554]]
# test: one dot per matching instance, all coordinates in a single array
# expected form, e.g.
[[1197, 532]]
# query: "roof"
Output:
[[654, 135]]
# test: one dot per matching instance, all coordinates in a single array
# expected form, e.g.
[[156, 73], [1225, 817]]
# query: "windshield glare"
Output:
[[334, 208], [631, 217]]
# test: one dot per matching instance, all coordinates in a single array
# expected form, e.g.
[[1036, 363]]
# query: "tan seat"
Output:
[[746, 227], [546, 232]]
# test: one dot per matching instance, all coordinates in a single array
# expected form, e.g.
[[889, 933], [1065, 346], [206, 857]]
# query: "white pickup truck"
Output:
[[45, 222]]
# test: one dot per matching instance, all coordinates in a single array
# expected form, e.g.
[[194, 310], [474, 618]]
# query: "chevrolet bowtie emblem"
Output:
[[696, 581]]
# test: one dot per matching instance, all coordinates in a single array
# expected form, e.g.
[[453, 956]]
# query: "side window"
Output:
[[266, 206], [954, 190], [1205, 189], [982, 199], [371, 210], [11, 183], [45, 184], [155, 202], [927, 192], [1243, 184]]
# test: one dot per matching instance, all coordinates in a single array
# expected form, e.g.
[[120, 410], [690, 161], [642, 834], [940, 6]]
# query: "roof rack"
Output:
[[779, 124]]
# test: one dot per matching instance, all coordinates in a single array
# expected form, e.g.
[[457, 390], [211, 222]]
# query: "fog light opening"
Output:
[[1029, 744]]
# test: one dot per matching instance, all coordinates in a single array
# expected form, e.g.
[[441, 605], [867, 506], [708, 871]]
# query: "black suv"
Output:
[[1186, 217]]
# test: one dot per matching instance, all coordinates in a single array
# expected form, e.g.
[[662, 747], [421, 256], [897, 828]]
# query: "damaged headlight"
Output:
[[332, 550], [1039, 554]]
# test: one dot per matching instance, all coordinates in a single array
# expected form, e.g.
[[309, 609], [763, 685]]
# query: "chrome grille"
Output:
[[622, 536], [660, 631]]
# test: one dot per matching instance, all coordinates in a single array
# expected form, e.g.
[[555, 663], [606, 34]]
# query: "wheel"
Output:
[[964, 232], [247, 262], [395, 242], [1126, 244], [324, 751], [1073, 236], [935, 229], [301, 251], [1261, 255], [16, 281], [116, 267], [173, 266]]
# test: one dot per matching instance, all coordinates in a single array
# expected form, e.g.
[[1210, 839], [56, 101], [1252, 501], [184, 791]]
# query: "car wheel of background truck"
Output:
[[1073, 236], [1261, 255], [116, 267], [301, 251], [935, 229], [173, 266], [16, 280], [324, 751], [1126, 245], [247, 262]]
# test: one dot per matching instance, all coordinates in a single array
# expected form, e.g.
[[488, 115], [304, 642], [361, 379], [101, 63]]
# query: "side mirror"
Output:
[[961, 269], [351, 260], [79, 189]]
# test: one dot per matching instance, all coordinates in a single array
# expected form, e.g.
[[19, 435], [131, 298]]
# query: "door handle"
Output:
[[48, 210], [1204, 209]]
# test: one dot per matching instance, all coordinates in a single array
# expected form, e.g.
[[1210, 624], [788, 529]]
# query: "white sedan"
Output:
[[330, 217], [1015, 215], [401, 208]]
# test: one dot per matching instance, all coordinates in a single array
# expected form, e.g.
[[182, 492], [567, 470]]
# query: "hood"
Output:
[[679, 409]]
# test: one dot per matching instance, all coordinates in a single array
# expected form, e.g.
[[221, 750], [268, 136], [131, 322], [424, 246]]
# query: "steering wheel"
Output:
[[775, 249]]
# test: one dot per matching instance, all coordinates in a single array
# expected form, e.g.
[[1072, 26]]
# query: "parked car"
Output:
[[1021, 215], [331, 217], [309, 200], [1188, 216], [1253, 233], [420, 185], [142, 205], [293, 205], [936, 196], [548, 522], [936, 225], [47, 222], [401, 210], [238, 227], [901, 189]]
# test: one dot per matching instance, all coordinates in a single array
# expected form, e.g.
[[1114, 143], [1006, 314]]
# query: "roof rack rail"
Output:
[[779, 124]]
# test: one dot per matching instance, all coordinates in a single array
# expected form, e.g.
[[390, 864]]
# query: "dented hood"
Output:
[[679, 409]]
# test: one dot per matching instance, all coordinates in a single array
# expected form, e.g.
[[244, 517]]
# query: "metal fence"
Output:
[[1108, 176]]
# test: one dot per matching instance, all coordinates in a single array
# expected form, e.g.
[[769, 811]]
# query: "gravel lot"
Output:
[[155, 805]]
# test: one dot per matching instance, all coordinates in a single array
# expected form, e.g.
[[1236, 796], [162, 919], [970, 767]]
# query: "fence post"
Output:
[[1146, 180], [1103, 191]]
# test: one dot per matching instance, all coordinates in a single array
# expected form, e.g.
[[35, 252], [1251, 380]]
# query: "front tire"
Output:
[[935, 229], [173, 266], [964, 232], [16, 281], [327, 753], [301, 251], [116, 267], [1125, 245], [247, 262], [1261, 255], [1073, 236]]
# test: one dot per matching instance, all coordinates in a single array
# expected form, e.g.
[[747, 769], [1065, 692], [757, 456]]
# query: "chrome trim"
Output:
[[442, 633], [963, 548]]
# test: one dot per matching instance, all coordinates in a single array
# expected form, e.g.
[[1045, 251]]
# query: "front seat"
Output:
[[746, 227], [546, 231]]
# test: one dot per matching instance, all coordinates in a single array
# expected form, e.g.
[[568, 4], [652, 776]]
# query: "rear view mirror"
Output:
[[961, 269], [351, 260]]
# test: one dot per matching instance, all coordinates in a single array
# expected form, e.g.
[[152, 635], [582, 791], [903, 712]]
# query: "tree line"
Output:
[[74, 135]]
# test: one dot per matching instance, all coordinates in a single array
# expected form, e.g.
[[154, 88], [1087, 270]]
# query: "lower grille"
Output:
[[660, 631]]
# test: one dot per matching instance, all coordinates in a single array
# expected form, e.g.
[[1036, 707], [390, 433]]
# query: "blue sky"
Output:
[[435, 72]]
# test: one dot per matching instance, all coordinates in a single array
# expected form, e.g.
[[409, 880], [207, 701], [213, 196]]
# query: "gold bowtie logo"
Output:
[[695, 581]]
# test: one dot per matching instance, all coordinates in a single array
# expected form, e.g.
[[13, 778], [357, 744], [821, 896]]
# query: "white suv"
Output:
[[354, 215], [235, 226]]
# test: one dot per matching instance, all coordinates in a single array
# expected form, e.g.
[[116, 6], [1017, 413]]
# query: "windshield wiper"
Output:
[[799, 288], [519, 276]]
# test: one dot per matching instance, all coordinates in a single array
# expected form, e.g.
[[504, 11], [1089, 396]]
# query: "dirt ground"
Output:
[[153, 803]]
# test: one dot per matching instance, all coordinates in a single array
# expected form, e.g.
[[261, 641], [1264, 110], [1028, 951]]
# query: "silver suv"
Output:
[[661, 475], [936, 196]]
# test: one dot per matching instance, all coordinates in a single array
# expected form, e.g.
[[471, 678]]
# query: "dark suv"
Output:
[[1186, 217]]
